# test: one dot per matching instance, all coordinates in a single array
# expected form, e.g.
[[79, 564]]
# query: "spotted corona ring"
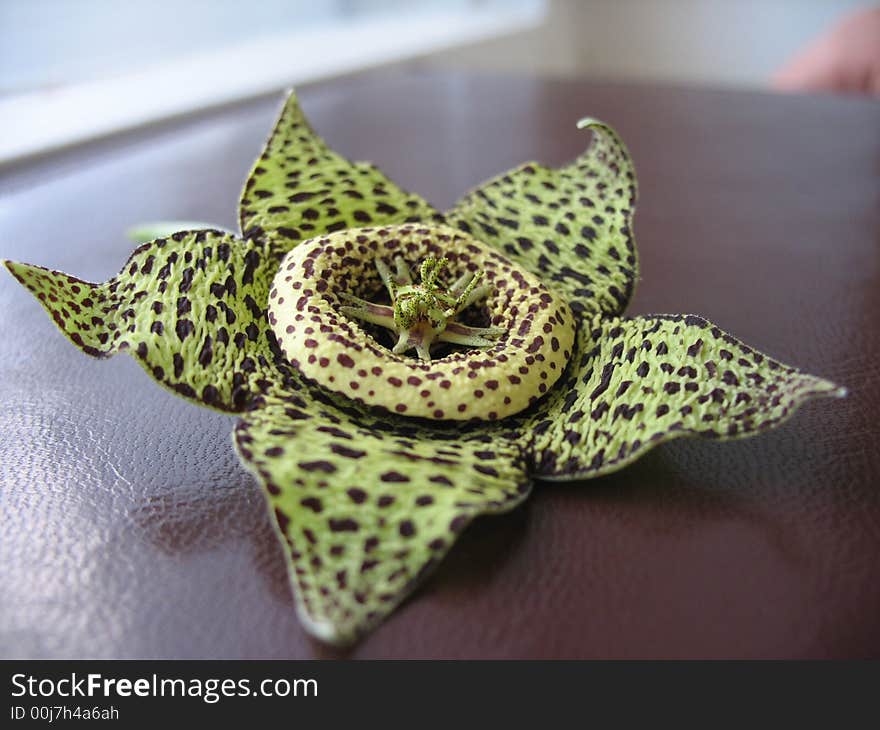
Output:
[[327, 327]]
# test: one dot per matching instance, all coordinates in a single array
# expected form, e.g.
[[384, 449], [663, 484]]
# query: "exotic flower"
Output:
[[398, 372]]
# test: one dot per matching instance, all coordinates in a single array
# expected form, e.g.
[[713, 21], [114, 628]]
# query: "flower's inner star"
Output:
[[422, 314]]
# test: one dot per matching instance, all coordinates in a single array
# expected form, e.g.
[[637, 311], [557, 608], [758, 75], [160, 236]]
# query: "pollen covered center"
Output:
[[385, 316]]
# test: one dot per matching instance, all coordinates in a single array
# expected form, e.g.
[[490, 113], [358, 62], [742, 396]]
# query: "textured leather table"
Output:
[[130, 530]]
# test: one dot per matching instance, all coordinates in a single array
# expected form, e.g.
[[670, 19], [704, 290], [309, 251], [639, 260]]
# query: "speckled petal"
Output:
[[189, 308], [635, 383], [367, 505], [299, 188], [572, 226]]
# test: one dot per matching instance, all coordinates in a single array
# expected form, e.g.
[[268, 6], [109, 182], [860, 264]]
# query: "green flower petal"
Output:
[[572, 226], [299, 188], [635, 383], [368, 504], [190, 309]]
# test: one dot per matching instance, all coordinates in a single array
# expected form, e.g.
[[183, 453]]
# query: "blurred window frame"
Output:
[[44, 120]]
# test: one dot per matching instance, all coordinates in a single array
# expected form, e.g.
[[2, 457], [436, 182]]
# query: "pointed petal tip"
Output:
[[325, 631], [585, 122], [823, 388], [18, 269], [14, 267]]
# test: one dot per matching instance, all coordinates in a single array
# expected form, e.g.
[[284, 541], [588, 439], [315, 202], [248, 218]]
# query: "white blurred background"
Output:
[[716, 42], [72, 70]]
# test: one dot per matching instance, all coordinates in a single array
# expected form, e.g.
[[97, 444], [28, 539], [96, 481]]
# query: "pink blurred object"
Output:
[[846, 59]]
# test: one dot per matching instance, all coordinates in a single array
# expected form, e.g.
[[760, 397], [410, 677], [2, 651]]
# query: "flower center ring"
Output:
[[317, 314]]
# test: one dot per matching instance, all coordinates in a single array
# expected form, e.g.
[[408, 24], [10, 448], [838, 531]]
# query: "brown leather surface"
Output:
[[130, 530]]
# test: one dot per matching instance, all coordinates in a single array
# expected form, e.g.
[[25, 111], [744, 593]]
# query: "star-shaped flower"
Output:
[[398, 372]]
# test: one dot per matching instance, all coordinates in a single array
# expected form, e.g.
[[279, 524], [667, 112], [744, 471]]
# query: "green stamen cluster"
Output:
[[423, 314]]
